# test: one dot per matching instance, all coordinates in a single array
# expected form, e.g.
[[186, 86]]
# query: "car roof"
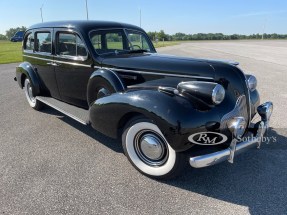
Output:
[[84, 25]]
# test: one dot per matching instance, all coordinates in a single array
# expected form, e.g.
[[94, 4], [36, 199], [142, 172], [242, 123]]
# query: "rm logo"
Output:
[[207, 138]]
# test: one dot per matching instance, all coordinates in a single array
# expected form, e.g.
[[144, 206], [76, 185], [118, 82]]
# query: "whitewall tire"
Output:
[[147, 149], [28, 89]]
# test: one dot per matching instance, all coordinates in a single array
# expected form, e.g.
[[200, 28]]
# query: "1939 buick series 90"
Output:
[[108, 75]]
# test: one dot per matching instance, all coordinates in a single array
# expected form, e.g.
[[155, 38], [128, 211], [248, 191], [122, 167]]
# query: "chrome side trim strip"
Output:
[[58, 61], [74, 64], [124, 70], [158, 73], [39, 58]]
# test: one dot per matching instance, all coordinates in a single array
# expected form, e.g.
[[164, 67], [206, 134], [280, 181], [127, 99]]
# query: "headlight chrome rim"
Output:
[[218, 94], [252, 82]]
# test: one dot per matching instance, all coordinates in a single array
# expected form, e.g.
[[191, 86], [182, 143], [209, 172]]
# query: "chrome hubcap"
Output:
[[151, 148], [102, 93]]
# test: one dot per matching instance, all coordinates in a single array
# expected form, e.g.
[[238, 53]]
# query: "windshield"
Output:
[[120, 41]]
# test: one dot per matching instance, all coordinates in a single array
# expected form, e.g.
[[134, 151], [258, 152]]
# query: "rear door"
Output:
[[74, 67]]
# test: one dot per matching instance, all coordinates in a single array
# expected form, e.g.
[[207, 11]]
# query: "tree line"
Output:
[[161, 35]]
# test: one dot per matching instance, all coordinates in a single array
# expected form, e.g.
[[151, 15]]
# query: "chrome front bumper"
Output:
[[236, 147]]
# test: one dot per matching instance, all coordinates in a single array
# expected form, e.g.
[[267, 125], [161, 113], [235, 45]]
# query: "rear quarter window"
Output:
[[29, 42]]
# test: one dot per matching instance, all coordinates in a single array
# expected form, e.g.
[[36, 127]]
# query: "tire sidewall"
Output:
[[37, 105]]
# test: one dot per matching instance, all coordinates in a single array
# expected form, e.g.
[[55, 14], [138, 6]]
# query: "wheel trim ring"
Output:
[[137, 145]]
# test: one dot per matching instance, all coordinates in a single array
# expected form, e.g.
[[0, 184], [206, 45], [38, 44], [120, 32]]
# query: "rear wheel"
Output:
[[149, 152], [28, 89]]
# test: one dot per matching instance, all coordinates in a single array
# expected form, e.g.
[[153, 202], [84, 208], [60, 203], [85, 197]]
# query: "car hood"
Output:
[[153, 62]]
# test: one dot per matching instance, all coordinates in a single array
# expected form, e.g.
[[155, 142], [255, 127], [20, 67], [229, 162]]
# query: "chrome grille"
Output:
[[240, 109]]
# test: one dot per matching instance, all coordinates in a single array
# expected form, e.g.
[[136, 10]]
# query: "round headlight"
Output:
[[218, 94], [252, 82]]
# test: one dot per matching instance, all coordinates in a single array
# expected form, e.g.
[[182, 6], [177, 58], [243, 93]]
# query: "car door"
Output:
[[74, 67], [42, 60]]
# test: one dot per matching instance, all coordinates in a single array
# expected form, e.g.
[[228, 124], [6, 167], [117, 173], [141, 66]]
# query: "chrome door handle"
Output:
[[53, 64]]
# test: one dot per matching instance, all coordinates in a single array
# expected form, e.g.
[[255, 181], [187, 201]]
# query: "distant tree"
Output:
[[10, 33], [3, 37], [152, 35], [162, 36], [211, 36]]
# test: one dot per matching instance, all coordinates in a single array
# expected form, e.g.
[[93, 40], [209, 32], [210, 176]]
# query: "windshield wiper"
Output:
[[138, 51]]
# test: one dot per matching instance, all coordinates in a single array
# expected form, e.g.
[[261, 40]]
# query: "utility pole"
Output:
[[87, 10], [140, 18], [41, 8]]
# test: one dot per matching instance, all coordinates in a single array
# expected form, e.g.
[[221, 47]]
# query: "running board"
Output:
[[79, 114]]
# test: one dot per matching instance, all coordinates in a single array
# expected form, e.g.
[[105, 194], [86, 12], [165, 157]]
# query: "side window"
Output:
[[138, 41], [114, 41], [97, 41], [43, 42], [29, 42], [71, 45]]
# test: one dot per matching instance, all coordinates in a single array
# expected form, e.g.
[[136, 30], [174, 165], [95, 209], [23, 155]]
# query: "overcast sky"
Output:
[[188, 16]]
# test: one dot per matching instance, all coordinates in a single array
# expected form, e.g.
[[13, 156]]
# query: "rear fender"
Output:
[[25, 69], [109, 76]]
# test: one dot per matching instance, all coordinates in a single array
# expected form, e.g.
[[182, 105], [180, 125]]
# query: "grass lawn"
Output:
[[10, 52], [166, 43]]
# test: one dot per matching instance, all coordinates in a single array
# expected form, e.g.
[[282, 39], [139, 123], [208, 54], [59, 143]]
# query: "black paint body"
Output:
[[136, 78]]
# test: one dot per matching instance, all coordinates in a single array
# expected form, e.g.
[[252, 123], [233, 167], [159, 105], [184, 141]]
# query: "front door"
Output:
[[73, 67]]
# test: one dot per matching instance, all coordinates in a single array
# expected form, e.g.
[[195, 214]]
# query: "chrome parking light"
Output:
[[237, 126]]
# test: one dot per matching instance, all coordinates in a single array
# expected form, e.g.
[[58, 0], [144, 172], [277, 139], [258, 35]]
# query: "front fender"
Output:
[[26, 69], [176, 116]]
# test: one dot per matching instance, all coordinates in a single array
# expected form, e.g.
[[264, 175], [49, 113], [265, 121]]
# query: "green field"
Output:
[[10, 52], [166, 43]]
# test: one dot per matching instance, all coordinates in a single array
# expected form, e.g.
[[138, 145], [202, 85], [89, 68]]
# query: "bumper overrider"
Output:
[[237, 146]]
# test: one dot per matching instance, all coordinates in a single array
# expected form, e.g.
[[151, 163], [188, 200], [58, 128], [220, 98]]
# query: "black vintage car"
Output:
[[108, 75]]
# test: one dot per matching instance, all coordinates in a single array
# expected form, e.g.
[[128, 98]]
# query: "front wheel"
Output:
[[33, 102], [149, 152]]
